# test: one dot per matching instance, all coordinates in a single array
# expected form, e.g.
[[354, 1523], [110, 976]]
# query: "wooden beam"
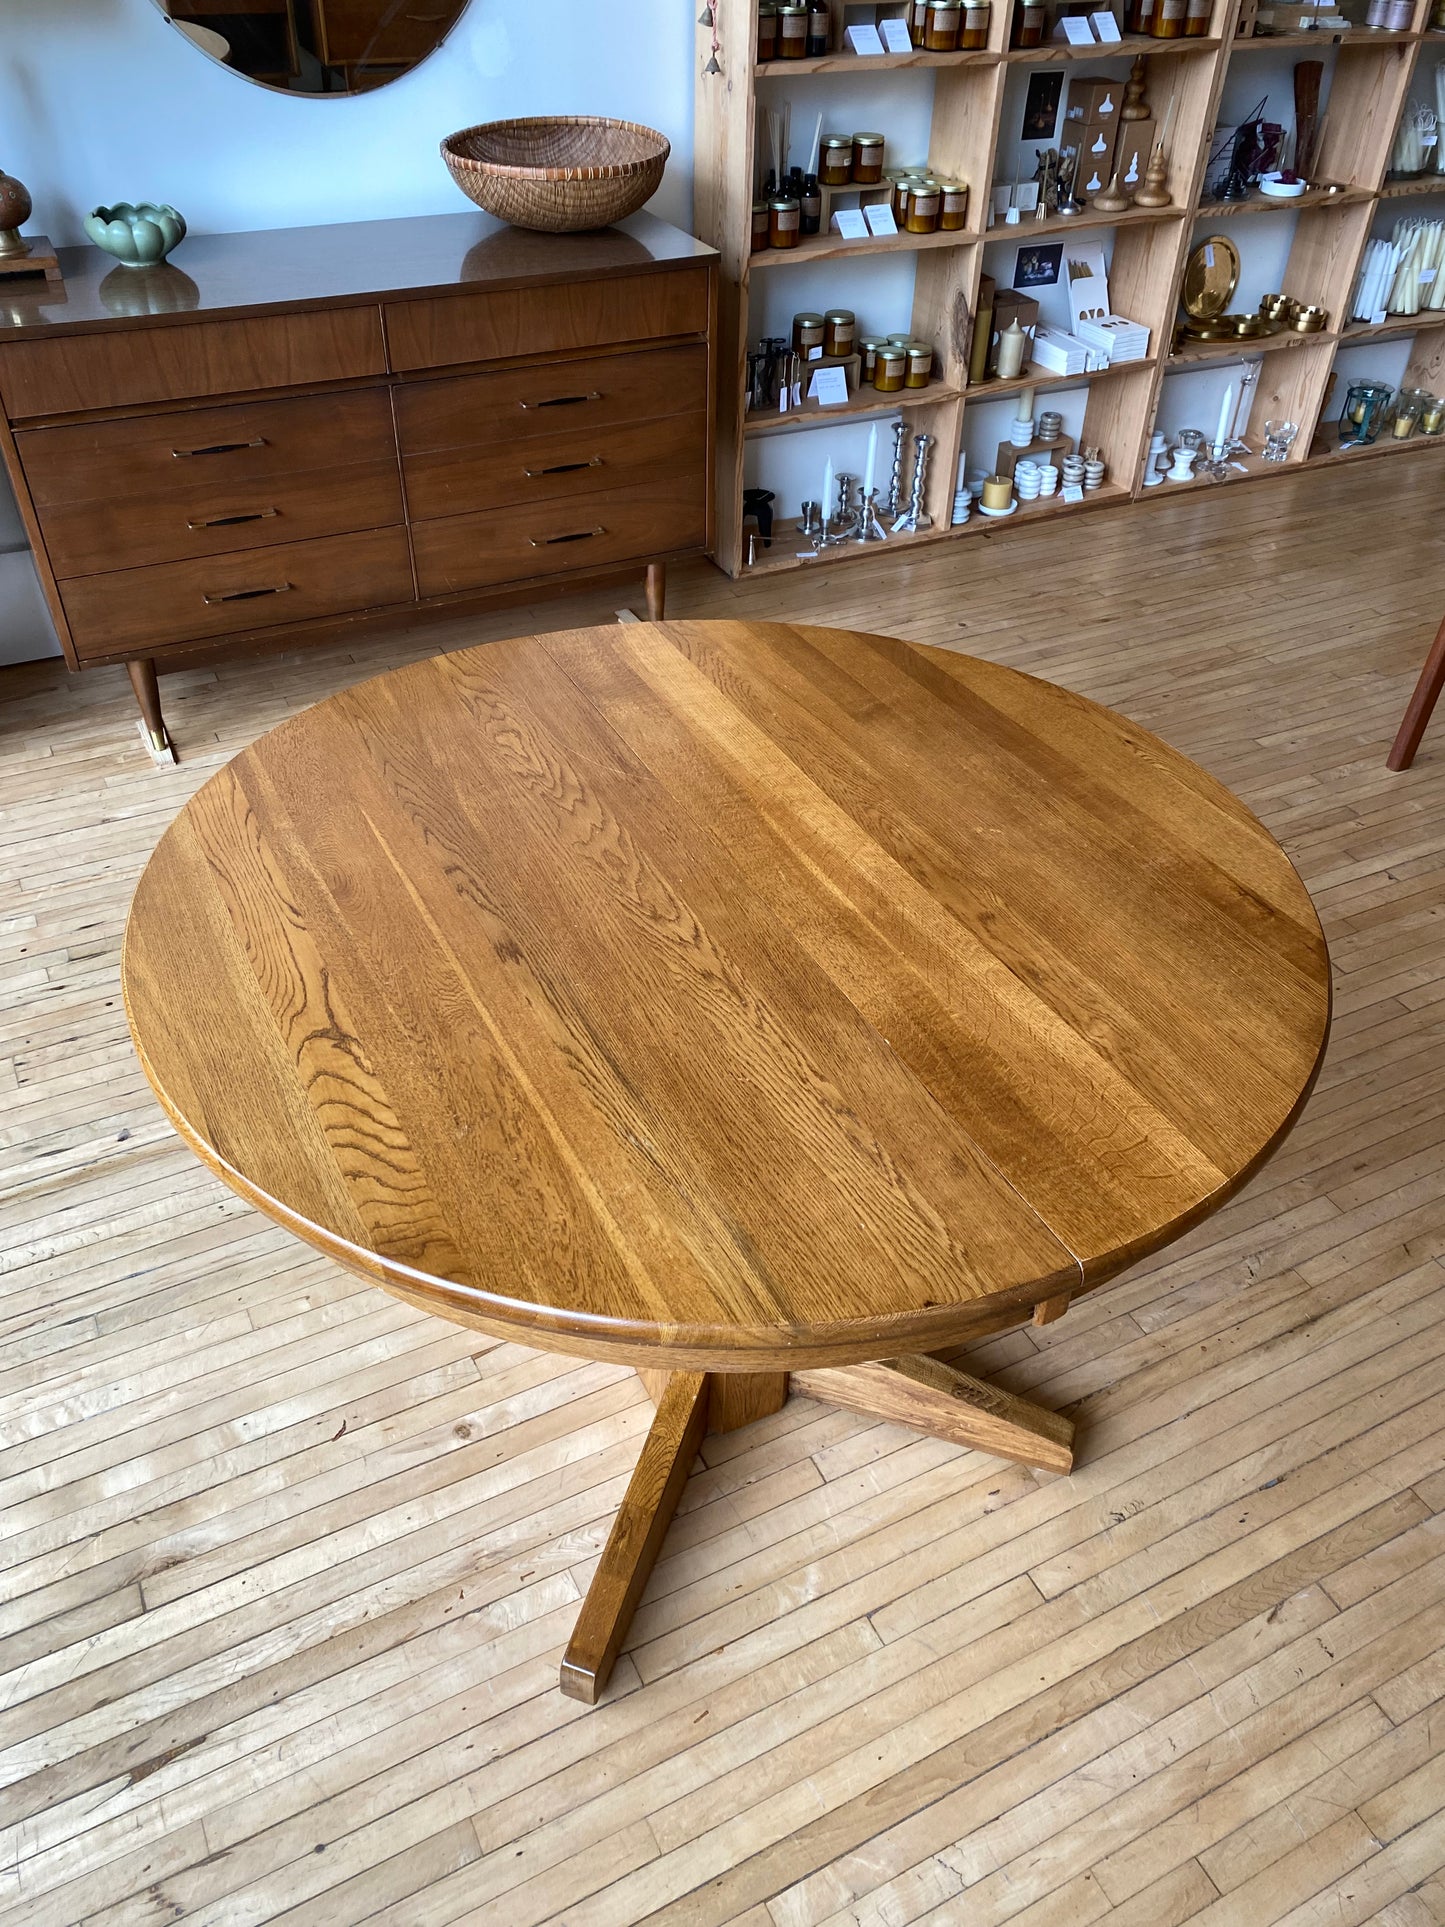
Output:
[[734, 1398], [936, 1398], [636, 1537], [1048, 1309]]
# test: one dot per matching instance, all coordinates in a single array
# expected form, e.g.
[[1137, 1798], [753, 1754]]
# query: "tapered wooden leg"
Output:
[[935, 1398], [147, 689], [1048, 1309], [656, 590], [1421, 706], [636, 1536], [734, 1399]]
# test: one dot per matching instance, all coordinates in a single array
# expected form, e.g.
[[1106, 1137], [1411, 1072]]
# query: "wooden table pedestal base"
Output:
[[918, 1391]]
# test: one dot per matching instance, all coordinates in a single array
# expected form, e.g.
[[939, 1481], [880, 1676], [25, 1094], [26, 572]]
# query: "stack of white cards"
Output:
[[1060, 352], [1116, 337]]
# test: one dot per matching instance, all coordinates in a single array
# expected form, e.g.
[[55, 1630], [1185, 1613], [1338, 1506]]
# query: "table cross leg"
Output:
[[938, 1399]]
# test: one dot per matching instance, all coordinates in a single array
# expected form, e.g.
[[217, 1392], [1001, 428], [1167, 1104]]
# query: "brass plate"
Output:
[[1211, 275]]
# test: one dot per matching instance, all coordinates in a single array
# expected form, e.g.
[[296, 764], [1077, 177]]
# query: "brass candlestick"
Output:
[[1155, 189]]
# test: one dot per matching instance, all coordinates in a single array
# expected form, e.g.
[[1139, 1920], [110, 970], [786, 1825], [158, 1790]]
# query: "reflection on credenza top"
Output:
[[220, 275]]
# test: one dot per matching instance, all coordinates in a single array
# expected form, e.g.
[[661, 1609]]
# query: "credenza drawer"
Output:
[[248, 444], [127, 366], [549, 538], [441, 331], [130, 610], [515, 404], [576, 462]]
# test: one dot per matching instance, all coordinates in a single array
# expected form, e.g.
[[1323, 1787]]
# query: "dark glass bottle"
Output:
[[812, 201]]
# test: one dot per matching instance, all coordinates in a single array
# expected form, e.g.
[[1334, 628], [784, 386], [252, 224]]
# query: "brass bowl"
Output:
[[1311, 321], [1248, 325]]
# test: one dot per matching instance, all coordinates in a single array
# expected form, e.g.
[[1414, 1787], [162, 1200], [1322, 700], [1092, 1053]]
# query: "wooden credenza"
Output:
[[286, 433]]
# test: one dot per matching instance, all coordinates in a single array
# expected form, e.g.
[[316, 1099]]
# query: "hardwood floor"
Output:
[[286, 1568]]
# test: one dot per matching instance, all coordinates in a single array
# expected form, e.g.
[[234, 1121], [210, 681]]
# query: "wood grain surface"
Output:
[[734, 995]]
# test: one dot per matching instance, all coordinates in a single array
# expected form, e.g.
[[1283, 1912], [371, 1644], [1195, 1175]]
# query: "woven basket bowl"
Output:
[[558, 173]]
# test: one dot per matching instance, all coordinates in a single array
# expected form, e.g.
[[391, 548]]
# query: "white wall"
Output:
[[103, 100]]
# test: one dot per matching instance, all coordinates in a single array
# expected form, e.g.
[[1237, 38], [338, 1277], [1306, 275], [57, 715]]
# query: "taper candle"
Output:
[[827, 497], [1026, 405], [872, 459], [1226, 417]]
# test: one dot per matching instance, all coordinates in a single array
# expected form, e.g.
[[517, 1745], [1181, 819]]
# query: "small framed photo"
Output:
[[1041, 104], [1038, 266]]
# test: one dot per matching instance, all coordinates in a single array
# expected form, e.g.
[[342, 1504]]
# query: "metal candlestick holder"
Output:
[[893, 502], [870, 527], [844, 524], [916, 518]]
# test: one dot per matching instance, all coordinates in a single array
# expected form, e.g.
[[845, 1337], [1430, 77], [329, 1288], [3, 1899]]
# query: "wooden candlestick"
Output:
[[1113, 200], [1155, 190], [1135, 106]]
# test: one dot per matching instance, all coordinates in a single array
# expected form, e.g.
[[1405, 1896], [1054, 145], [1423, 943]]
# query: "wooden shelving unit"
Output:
[[1370, 82]]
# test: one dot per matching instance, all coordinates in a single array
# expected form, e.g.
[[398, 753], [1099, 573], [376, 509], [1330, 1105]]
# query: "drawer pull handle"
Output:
[[563, 401], [563, 468], [221, 448], [227, 521], [247, 595], [577, 535]]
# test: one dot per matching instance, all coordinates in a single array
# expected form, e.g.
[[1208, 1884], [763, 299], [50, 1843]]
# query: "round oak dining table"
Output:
[[754, 1004]]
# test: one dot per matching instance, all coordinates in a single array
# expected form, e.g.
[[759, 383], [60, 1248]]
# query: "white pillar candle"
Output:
[[1226, 416], [868, 466], [1026, 405], [828, 489]]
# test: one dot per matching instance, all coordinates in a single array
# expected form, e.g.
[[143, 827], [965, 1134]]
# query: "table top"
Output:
[[725, 995]]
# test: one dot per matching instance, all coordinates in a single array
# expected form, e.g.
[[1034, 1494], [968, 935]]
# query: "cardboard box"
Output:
[[1134, 145], [1094, 100], [1009, 306], [1095, 140]]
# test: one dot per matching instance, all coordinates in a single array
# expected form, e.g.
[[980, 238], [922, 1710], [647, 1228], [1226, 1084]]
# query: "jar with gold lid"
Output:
[[835, 160], [867, 348], [792, 32], [953, 212], [1168, 20], [808, 334], [945, 24], [839, 326], [1029, 18], [760, 224], [890, 368], [976, 15], [785, 222], [1196, 18], [919, 370], [867, 160], [768, 30], [925, 207], [917, 21]]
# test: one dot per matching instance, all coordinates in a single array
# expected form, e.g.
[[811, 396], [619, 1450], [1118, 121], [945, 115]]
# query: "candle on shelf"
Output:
[[1026, 405], [1011, 345], [1226, 418], [868, 466], [827, 497]]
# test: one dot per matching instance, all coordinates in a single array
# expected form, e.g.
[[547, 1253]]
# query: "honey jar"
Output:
[[1139, 16], [867, 161], [792, 32], [768, 30], [808, 334], [920, 364], [1029, 23], [917, 21], [1168, 20], [890, 368], [975, 24], [838, 326], [785, 222], [760, 224], [868, 346], [944, 25], [835, 160], [817, 31], [1196, 18], [925, 206], [953, 213]]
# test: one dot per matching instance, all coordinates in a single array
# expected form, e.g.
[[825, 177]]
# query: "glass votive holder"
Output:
[[1432, 415], [1279, 440], [1406, 410]]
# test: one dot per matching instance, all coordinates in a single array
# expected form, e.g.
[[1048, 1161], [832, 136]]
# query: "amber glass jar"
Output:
[[785, 222], [867, 160], [835, 160], [1196, 18], [920, 364], [817, 31], [760, 224], [917, 21], [808, 333], [839, 326], [890, 368], [1029, 23], [1139, 16], [767, 32], [945, 24], [1168, 20], [867, 347], [792, 33], [975, 25], [953, 214], [925, 207]]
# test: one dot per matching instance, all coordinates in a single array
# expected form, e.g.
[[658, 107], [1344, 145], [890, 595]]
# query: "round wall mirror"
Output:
[[316, 46]]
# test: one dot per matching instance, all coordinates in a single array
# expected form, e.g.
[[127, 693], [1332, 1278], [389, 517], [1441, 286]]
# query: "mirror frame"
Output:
[[163, 7]]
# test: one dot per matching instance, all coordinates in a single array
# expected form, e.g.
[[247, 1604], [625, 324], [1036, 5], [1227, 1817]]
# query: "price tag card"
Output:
[[879, 216], [829, 387], [896, 38], [849, 222], [1077, 32], [862, 40], [1072, 492], [1106, 27]]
